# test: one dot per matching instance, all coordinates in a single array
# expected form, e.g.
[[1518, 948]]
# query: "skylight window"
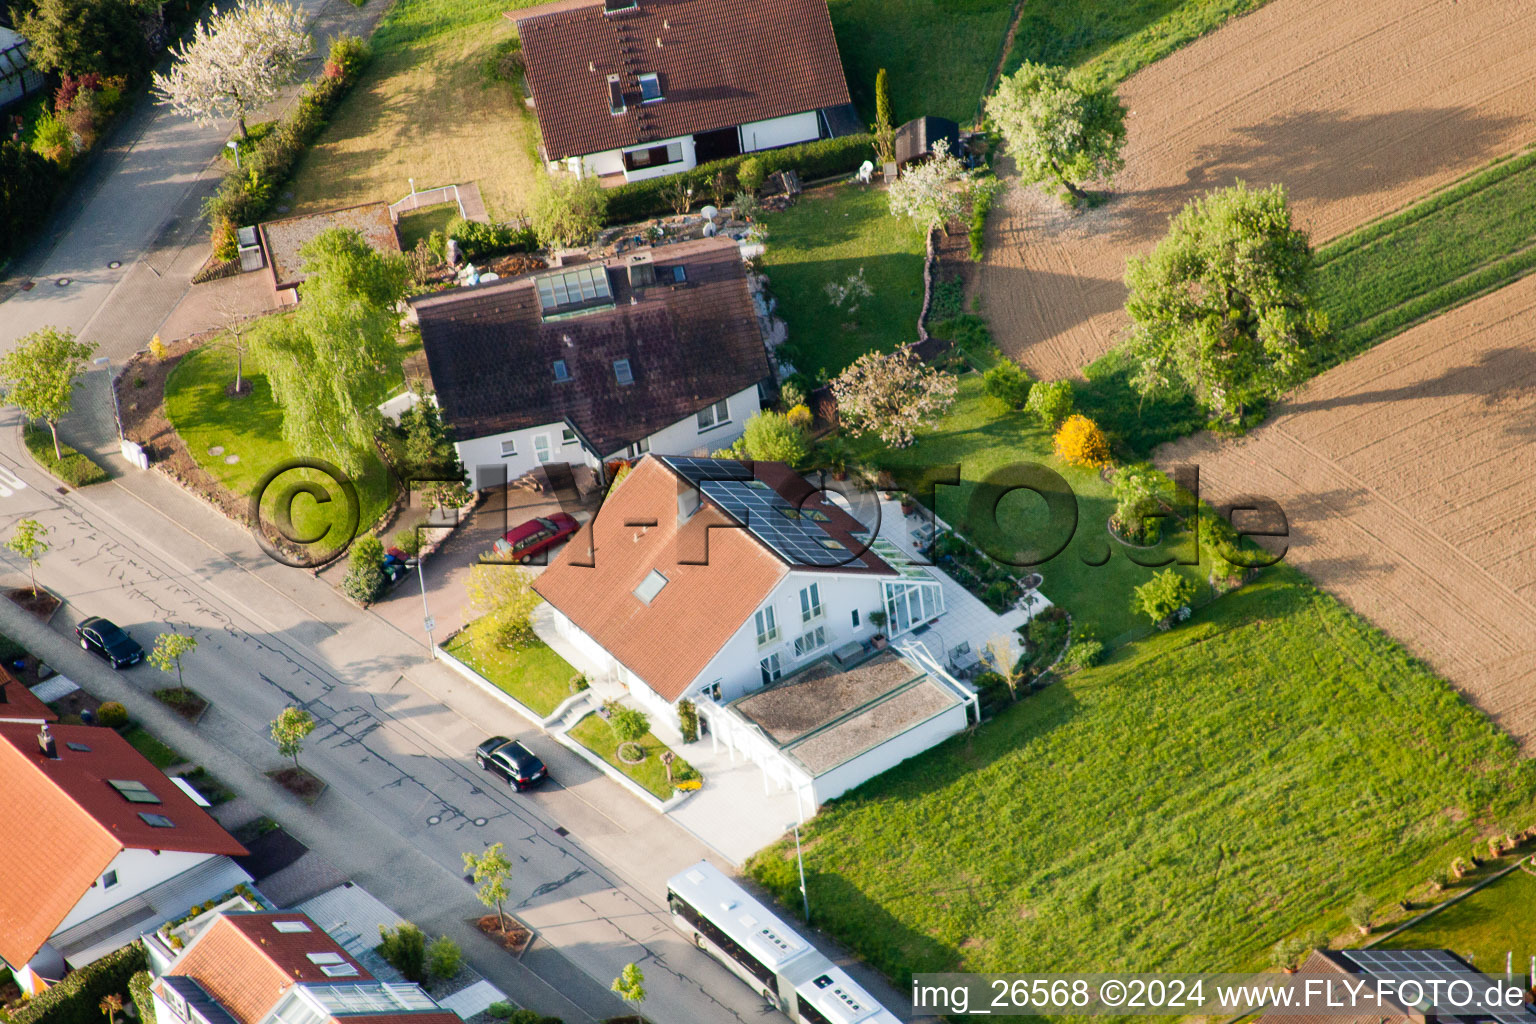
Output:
[[650, 586], [290, 927], [79, 748], [561, 373], [679, 274], [575, 290], [622, 371], [326, 958], [134, 791], [615, 96], [339, 971], [156, 820], [650, 88]]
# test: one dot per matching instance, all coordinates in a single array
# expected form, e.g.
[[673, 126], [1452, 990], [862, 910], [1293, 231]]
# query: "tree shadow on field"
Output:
[[1497, 376], [1320, 156]]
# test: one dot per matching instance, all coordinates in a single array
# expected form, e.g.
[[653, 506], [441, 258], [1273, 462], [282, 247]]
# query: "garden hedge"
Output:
[[823, 158], [138, 988], [28, 184], [77, 999], [246, 192]]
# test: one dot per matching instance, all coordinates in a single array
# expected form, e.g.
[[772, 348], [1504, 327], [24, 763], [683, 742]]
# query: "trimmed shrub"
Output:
[[477, 240], [1008, 383], [405, 948], [364, 581], [688, 721], [138, 989], [1050, 402], [823, 158], [1080, 442], [111, 715], [444, 958], [77, 999], [750, 174], [1083, 654]]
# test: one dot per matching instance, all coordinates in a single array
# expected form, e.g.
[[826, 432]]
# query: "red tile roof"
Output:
[[721, 63], [669, 641], [16, 701], [491, 354], [247, 964], [65, 824]]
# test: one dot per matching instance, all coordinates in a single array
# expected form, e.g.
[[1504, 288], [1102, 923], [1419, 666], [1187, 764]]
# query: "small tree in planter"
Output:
[[630, 985], [167, 654], [289, 731], [628, 725], [27, 541], [490, 870], [688, 721], [878, 619], [1289, 953], [1362, 913]]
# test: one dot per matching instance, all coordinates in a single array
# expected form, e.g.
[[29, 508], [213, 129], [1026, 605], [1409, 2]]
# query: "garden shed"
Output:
[[915, 139]]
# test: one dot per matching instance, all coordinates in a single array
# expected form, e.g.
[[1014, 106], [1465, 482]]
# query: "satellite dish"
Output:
[[710, 230], [709, 213]]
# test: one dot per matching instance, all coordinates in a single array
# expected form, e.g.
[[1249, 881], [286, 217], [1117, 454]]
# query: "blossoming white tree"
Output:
[[891, 394], [237, 61], [932, 193], [1055, 130]]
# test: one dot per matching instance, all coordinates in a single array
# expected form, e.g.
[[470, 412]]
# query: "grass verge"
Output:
[[534, 675], [249, 428], [979, 435], [426, 109], [829, 235], [1482, 927], [418, 224], [594, 734], [74, 468], [159, 753], [1110, 41], [1203, 794]]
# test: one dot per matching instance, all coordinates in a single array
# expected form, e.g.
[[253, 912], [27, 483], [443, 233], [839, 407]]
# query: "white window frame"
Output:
[[810, 641], [567, 435], [639, 448], [767, 623], [713, 416], [653, 77], [544, 452], [109, 880], [811, 607], [509, 448]]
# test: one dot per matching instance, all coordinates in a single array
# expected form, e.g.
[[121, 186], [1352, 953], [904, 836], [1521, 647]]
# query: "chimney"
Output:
[[687, 500], [641, 269], [46, 743]]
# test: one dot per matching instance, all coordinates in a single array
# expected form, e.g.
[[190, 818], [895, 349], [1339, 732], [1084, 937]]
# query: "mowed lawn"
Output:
[[424, 110], [829, 235], [250, 429], [1222, 785], [1109, 40], [533, 675], [1483, 927], [597, 736], [980, 435]]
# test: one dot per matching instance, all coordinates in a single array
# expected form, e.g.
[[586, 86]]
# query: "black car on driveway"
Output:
[[512, 761], [106, 638]]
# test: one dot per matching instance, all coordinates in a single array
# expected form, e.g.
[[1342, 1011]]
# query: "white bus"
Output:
[[791, 974]]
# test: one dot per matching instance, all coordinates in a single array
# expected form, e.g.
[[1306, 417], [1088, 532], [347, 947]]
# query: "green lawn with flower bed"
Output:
[[1482, 927], [534, 675], [1205, 793], [595, 734]]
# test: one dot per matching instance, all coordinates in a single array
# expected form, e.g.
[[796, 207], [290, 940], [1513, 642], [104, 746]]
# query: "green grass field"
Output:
[[1182, 807], [1483, 927], [251, 429], [829, 235], [1470, 238], [979, 435], [1110, 41], [594, 734], [535, 675], [158, 753], [417, 225], [424, 109]]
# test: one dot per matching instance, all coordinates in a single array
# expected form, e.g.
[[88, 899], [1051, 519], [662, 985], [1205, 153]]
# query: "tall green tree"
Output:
[[884, 131], [76, 36], [1056, 130], [38, 376], [325, 360], [490, 870], [1223, 307]]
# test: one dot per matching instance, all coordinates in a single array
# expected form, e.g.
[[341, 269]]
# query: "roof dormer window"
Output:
[[622, 372], [650, 88], [615, 96], [561, 372]]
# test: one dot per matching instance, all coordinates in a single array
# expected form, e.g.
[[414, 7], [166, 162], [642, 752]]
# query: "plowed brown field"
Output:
[[1409, 480], [1357, 108]]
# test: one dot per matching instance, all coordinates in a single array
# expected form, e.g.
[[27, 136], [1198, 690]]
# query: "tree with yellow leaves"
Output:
[[1080, 442]]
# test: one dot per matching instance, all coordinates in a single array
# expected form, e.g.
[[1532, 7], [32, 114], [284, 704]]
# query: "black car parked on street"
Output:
[[106, 638], [512, 761]]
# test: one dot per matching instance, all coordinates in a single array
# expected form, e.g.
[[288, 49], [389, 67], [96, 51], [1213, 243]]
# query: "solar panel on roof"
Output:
[[696, 470]]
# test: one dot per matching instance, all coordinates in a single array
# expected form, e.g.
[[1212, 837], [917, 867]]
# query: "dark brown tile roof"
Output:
[[721, 63], [491, 356], [16, 701], [65, 823]]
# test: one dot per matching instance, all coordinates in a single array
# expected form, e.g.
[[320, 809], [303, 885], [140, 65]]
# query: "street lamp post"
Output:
[[426, 613], [805, 897]]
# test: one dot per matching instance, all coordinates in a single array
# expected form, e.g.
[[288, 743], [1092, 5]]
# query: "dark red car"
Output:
[[536, 535]]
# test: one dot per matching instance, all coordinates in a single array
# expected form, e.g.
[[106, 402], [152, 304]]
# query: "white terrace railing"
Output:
[[431, 197]]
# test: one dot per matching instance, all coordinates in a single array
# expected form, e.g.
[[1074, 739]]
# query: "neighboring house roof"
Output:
[[65, 823], [16, 701], [717, 575], [284, 238], [1398, 965], [721, 63], [491, 351], [245, 963]]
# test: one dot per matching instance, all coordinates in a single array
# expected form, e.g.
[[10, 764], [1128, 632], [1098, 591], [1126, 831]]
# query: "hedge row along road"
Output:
[[1358, 109]]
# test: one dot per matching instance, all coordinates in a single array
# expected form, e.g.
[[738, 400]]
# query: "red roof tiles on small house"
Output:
[[65, 822], [719, 63], [16, 701]]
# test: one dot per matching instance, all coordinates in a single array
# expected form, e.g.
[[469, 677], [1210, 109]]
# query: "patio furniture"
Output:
[[962, 659]]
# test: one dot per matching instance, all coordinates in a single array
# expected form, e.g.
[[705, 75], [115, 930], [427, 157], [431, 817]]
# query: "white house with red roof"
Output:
[[99, 846], [281, 967], [785, 620]]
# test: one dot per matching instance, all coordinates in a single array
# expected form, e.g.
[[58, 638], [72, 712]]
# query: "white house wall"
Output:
[[611, 161], [137, 871], [780, 131], [482, 455], [889, 754], [685, 438]]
